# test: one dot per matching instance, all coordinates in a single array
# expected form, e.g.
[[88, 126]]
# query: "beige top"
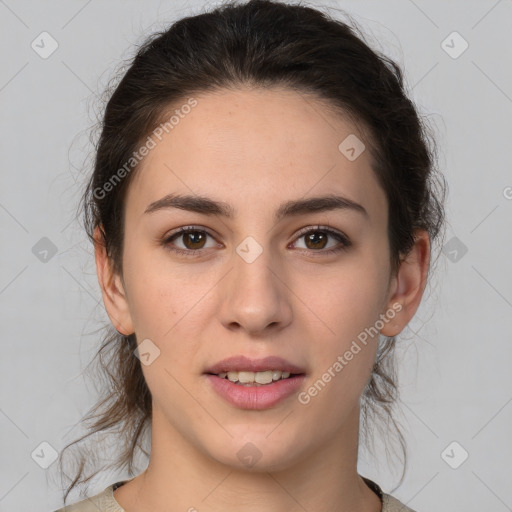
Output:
[[106, 502]]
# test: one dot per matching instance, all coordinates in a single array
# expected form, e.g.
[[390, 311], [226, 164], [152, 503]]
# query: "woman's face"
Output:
[[252, 284]]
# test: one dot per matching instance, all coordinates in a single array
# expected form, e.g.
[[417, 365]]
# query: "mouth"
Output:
[[255, 383], [254, 395], [247, 378]]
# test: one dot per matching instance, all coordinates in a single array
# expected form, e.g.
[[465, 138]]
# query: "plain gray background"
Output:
[[456, 354]]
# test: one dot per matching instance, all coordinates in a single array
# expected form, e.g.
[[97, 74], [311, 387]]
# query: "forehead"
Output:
[[252, 146]]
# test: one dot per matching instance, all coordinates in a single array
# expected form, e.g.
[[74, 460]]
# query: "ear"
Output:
[[408, 285], [112, 289]]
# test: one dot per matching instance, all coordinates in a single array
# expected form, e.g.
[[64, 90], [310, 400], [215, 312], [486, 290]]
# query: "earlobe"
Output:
[[112, 288], [409, 285]]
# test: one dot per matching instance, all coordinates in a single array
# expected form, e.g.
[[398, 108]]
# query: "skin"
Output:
[[255, 149]]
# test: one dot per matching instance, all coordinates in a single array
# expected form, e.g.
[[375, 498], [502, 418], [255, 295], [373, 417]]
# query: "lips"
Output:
[[242, 363], [255, 397]]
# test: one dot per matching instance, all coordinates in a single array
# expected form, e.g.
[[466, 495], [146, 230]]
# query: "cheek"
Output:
[[160, 294], [169, 305], [347, 329], [344, 358], [348, 299]]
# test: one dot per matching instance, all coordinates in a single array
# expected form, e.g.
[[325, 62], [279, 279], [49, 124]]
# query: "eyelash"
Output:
[[191, 253]]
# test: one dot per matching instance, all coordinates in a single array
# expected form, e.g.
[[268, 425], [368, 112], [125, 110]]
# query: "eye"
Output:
[[193, 240], [316, 240]]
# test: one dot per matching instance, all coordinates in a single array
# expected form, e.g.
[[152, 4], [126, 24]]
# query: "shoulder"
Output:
[[101, 502], [391, 504]]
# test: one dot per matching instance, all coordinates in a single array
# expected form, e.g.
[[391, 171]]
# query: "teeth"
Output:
[[265, 377]]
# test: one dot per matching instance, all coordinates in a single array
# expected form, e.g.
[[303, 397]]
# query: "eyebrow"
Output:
[[207, 206]]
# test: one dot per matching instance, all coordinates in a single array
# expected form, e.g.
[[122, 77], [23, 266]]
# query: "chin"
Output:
[[255, 454]]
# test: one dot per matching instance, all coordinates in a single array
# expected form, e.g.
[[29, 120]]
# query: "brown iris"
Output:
[[318, 238], [196, 237]]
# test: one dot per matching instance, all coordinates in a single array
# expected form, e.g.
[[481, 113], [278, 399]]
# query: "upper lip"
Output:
[[243, 363]]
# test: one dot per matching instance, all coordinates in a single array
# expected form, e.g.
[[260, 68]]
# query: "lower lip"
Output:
[[256, 397]]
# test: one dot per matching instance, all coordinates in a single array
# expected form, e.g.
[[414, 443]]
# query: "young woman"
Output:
[[263, 207]]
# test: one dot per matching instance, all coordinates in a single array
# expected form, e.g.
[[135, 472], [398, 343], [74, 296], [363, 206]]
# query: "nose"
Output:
[[254, 296]]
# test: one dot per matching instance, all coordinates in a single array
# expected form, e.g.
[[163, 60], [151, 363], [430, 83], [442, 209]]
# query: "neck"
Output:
[[180, 477]]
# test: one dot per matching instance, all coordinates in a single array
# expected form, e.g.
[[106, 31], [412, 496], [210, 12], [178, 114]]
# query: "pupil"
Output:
[[313, 238], [194, 234]]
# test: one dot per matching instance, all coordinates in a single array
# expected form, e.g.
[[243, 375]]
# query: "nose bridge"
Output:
[[255, 296]]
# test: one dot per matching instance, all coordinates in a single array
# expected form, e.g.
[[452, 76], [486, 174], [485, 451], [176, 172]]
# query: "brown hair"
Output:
[[260, 43]]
